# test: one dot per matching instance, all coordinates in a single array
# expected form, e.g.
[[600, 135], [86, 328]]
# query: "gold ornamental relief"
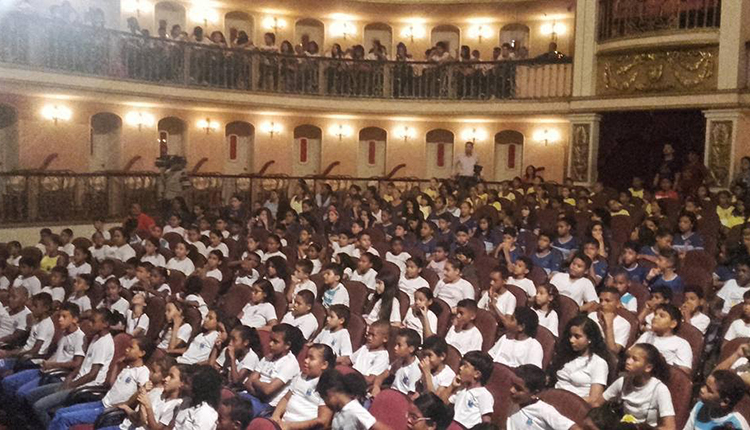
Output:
[[720, 151], [580, 157], [686, 70]]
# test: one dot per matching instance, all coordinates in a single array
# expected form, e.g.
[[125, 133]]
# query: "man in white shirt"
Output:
[[464, 167]]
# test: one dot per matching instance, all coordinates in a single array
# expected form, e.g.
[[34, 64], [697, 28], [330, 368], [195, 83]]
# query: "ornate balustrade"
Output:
[[637, 18]]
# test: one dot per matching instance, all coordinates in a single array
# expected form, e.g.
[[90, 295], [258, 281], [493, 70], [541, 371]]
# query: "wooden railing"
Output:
[[634, 18]]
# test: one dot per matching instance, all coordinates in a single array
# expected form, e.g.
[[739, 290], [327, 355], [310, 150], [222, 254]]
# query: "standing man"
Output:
[[669, 167], [464, 169]]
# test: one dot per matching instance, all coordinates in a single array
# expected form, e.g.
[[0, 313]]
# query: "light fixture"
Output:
[[140, 119], [136, 6], [405, 132], [480, 31], [208, 125], [274, 23], [204, 13], [553, 29], [57, 113], [547, 135], [474, 134], [341, 131], [413, 31], [343, 29], [271, 128]]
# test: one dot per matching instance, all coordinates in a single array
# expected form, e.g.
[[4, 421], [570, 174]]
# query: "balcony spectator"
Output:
[[243, 41], [198, 36], [506, 52], [439, 53], [465, 167], [176, 33], [143, 222], [552, 54], [377, 52]]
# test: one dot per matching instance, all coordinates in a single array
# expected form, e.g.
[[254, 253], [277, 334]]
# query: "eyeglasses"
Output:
[[413, 418]]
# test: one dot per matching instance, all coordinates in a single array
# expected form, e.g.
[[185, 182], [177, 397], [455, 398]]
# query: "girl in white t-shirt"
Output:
[[529, 412], [80, 264], [341, 393], [213, 264], [643, 392], [241, 354], [136, 320], [420, 316], [151, 245], [176, 333], [259, 312], [199, 350], [180, 261], [215, 243], [205, 395], [303, 405], [277, 273], [545, 303], [384, 304], [412, 280], [581, 363]]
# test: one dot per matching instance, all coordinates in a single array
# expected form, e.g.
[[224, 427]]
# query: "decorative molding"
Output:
[[673, 70], [580, 147], [720, 151]]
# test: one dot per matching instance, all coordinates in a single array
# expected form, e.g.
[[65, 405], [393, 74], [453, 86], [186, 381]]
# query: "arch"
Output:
[[308, 131], [373, 133], [509, 136], [449, 34], [371, 158], [378, 31], [104, 143], [240, 139], [313, 28], [439, 135], [172, 136], [9, 149], [508, 154], [439, 153], [307, 150], [171, 12], [240, 21], [517, 35]]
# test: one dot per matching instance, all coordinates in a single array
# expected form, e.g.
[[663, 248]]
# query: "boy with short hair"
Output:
[[301, 280], [129, 279], [300, 315], [498, 300], [620, 280], [40, 337], [364, 244], [665, 272], [106, 271], [453, 288], [575, 285], [717, 399], [518, 346], [405, 367], [335, 292], [473, 403], [510, 252], [734, 290], [342, 244], [365, 272], [58, 276], [439, 259], [741, 326], [462, 238], [518, 273], [546, 257], [371, 359], [565, 242], [664, 239], [676, 350], [397, 255], [463, 334], [65, 242], [629, 262], [615, 329], [692, 307], [335, 333], [659, 296], [81, 286], [466, 256], [26, 277], [436, 375], [445, 231], [14, 320], [531, 412]]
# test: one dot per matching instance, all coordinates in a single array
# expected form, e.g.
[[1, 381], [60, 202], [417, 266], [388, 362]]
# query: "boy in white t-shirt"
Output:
[[81, 286], [676, 350], [335, 333], [411, 279], [15, 320], [342, 244], [40, 337], [473, 404], [436, 375], [301, 280], [397, 255], [498, 300], [733, 291], [341, 393], [26, 277], [528, 411], [301, 316], [518, 346], [463, 335], [58, 277], [365, 273], [575, 285], [660, 295], [371, 360], [615, 329], [452, 288], [335, 293], [691, 308], [405, 367], [741, 326], [520, 269]]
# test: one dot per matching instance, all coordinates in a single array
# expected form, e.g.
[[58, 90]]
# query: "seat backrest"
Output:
[[357, 329], [390, 408], [453, 358], [389, 267], [548, 342], [173, 239], [743, 407], [729, 347], [265, 340], [210, 290], [681, 388], [357, 296], [262, 424], [235, 299], [122, 342], [403, 302], [538, 276], [519, 294], [431, 277], [319, 312], [280, 304], [444, 317], [640, 292], [695, 339], [634, 325], [499, 386], [155, 310], [487, 325], [194, 318], [567, 404], [176, 281], [568, 309], [484, 265]]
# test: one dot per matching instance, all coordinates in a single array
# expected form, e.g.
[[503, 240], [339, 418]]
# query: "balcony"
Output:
[[58, 47], [619, 19]]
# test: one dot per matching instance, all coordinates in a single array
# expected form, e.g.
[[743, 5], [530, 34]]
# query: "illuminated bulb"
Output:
[[341, 131], [343, 29], [405, 132], [204, 14], [474, 134], [546, 136], [207, 125], [274, 23], [413, 31], [57, 113], [553, 27], [480, 31], [136, 6], [271, 128], [140, 119]]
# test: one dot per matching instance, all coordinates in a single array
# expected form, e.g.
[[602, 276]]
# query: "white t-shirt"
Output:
[[526, 284], [305, 400], [538, 416], [514, 353], [199, 349], [629, 302], [676, 350], [83, 302], [185, 266], [249, 361], [163, 410], [44, 330], [646, 404], [285, 369], [369, 362], [132, 323], [415, 323], [257, 316], [200, 247], [83, 269], [183, 334], [307, 323], [317, 265], [368, 278], [69, 346], [128, 283], [101, 254], [738, 328], [579, 374], [410, 286], [265, 257], [406, 378], [57, 293], [32, 284], [620, 326], [4, 283], [306, 285], [399, 260], [278, 284], [732, 294], [395, 316], [465, 340], [338, 249], [471, 405], [444, 378], [358, 253], [169, 229], [201, 417], [248, 279], [99, 352], [700, 321], [353, 416], [121, 306], [157, 260], [454, 292], [338, 295], [340, 341], [465, 165], [123, 253], [8, 324], [222, 248], [581, 290], [550, 322], [505, 304], [126, 384]]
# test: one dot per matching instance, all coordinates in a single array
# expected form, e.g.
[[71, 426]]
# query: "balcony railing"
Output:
[[57, 197], [634, 18], [62, 47]]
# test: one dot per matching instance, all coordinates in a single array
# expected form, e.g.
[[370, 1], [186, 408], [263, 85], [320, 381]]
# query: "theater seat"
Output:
[[567, 403], [262, 424], [681, 388], [390, 408]]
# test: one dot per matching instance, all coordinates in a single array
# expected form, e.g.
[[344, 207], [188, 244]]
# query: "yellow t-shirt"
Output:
[[570, 201], [48, 263], [431, 192], [510, 196], [724, 215], [635, 193], [620, 212]]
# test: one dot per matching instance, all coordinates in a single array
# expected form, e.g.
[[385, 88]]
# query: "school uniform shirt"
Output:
[[69, 346], [163, 410], [738, 328], [646, 404], [278, 284], [398, 259], [410, 286], [579, 374], [202, 306], [248, 278], [199, 349], [358, 253], [580, 290], [121, 306], [338, 295], [317, 265], [4, 283], [340, 341], [123, 253], [266, 256], [57, 293], [514, 353], [183, 333], [353, 416], [700, 321], [306, 323], [636, 273], [201, 417], [185, 266], [10, 323], [471, 405], [83, 269], [406, 377], [163, 288], [68, 248], [48, 262], [629, 302], [550, 321], [621, 328], [338, 249], [526, 284], [128, 283], [369, 362], [452, 293], [14, 261], [249, 361], [169, 229], [32, 284], [132, 322], [733, 420], [367, 278], [395, 316], [257, 316], [415, 323], [505, 304], [157, 260], [126, 384], [732, 293], [101, 254], [223, 248], [550, 262], [438, 267], [83, 302], [101, 280], [100, 352], [444, 378], [537, 416], [305, 400], [44, 330], [565, 248], [687, 242], [285, 369], [306, 285], [676, 350], [465, 340], [200, 247]]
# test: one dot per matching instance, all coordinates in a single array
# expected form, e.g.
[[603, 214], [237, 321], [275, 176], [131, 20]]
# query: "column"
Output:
[[732, 52], [583, 148], [724, 128], [584, 59]]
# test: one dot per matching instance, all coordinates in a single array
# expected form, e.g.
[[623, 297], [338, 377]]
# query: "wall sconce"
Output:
[[136, 6], [553, 29], [274, 23], [204, 14], [140, 119], [413, 31], [480, 31], [474, 134], [405, 132], [341, 131], [57, 113], [547, 136], [208, 126], [271, 128], [343, 29]]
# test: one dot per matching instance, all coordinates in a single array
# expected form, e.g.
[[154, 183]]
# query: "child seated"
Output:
[[276, 273], [80, 263], [411, 279], [498, 300], [383, 305], [405, 367], [734, 290], [152, 255], [473, 404], [659, 296], [301, 316], [439, 259], [463, 335], [665, 272], [199, 350], [112, 299], [176, 333], [427, 241], [81, 287], [452, 288], [259, 312], [436, 375], [341, 393], [716, 402], [518, 275], [397, 255], [565, 242], [301, 280], [629, 262], [546, 257], [508, 251], [420, 317], [614, 328], [194, 239], [518, 346], [335, 333], [163, 400], [248, 273], [213, 265], [371, 360], [335, 293], [620, 280], [106, 271], [676, 350], [26, 277], [365, 272], [545, 304], [342, 244], [240, 356], [215, 239], [180, 261], [531, 413], [136, 320], [575, 285], [741, 326], [192, 295], [313, 255], [692, 307], [58, 278]]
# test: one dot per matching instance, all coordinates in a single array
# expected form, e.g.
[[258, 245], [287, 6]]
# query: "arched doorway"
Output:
[[104, 147], [235, 22], [240, 138], [172, 136], [450, 34], [439, 153], [8, 138], [313, 29], [172, 14], [307, 148], [517, 36], [508, 155], [371, 156], [381, 32]]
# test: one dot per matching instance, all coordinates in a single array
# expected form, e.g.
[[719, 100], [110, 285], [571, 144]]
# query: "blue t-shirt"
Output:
[[427, 247], [636, 273], [723, 273], [601, 268], [731, 420], [649, 250], [514, 254], [550, 262], [687, 242], [566, 248], [676, 284]]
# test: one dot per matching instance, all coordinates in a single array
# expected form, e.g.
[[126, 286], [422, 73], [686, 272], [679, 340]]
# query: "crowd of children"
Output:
[[212, 321]]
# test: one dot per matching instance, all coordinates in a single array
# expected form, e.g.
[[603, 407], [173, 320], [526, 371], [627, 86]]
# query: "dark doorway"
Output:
[[630, 143]]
